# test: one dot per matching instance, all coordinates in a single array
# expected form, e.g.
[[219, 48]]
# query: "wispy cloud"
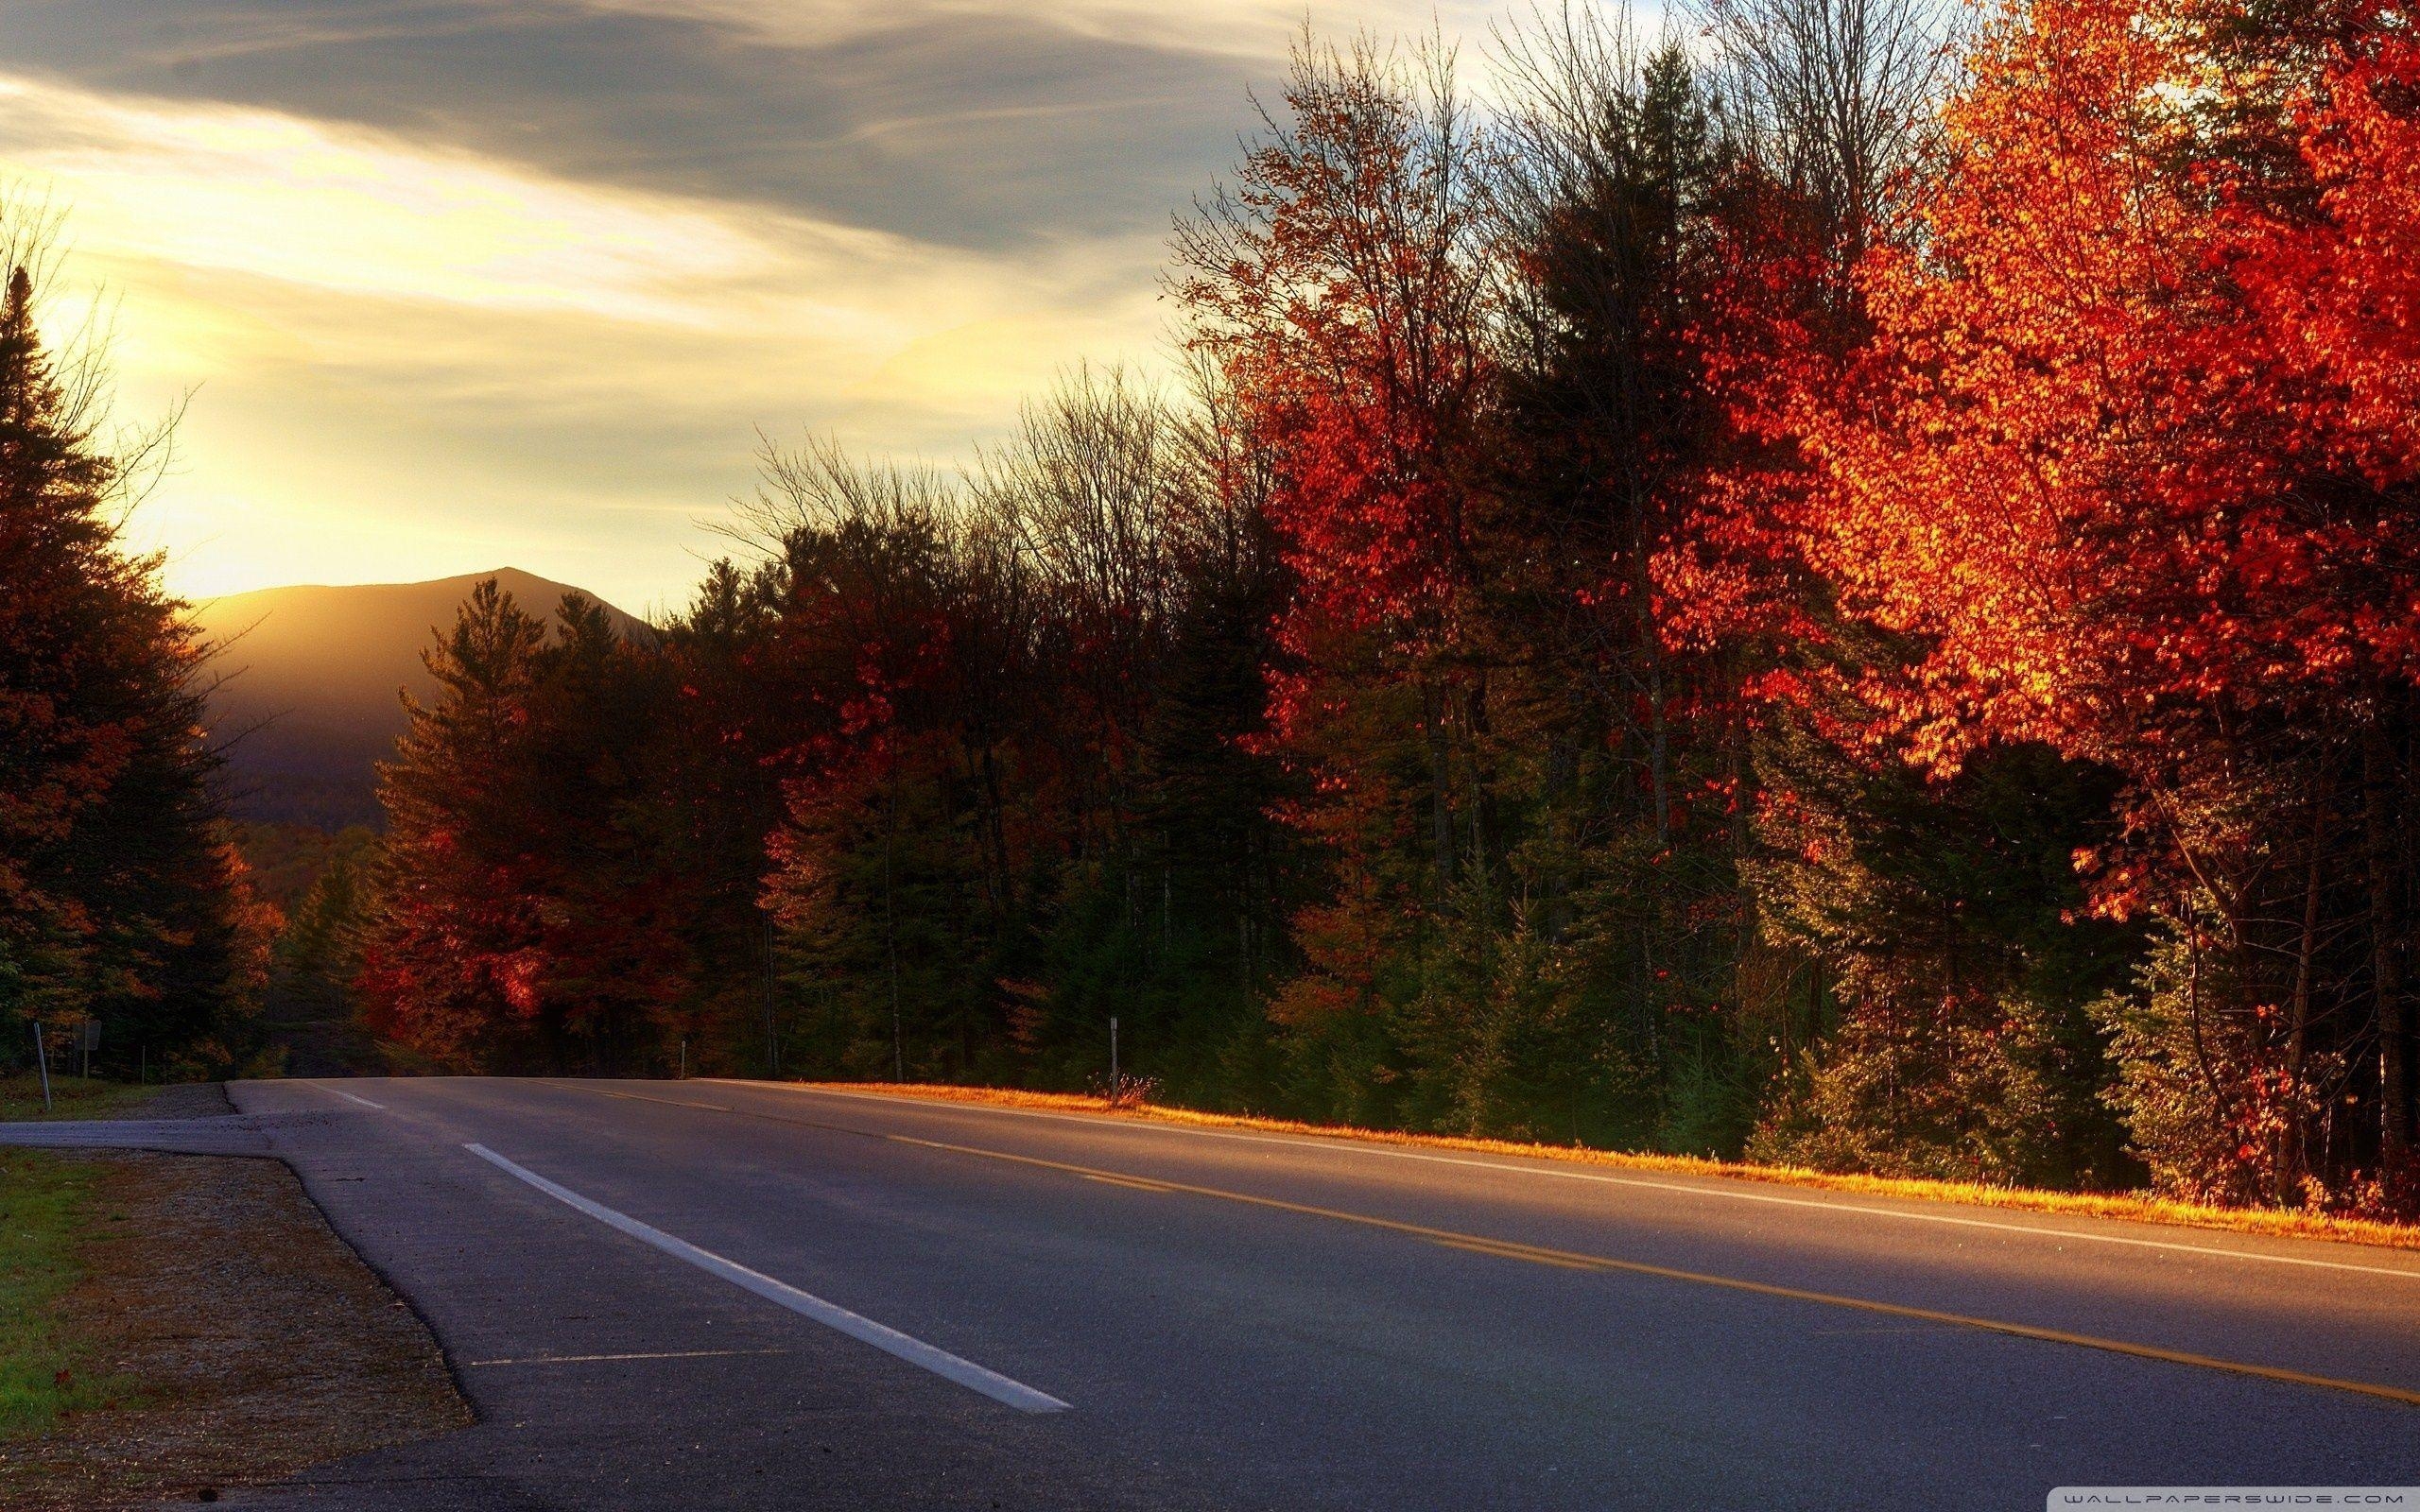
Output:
[[1246, 29], [233, 190], [407, 353], [469, 281]]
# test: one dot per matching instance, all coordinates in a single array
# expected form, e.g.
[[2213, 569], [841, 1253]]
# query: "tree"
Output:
[[121, 899], [516, 926], [2107, 458]]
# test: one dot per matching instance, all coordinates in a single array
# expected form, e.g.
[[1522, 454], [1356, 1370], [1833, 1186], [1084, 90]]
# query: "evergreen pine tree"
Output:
[[120, 899]]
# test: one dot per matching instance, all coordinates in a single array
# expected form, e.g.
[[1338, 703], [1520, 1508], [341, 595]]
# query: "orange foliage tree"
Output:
[[2126, 456]]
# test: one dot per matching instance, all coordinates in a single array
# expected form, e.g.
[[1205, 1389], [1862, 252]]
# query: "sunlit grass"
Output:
[[48, 1205], [2135, 1208], [71, 1098]]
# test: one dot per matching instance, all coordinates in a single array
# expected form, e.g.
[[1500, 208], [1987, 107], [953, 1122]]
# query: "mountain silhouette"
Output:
[[306, 701]]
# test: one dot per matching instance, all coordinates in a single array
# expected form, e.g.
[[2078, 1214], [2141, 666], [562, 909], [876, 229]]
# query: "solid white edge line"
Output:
[[1357, 1147], [346, 1096], [890, 1340]]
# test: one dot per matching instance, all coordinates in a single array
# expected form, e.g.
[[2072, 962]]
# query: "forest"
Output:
[[1831, 584]]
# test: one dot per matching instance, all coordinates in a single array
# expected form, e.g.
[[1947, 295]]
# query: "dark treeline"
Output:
[[123, 903], [957, 768], [1841, 595]]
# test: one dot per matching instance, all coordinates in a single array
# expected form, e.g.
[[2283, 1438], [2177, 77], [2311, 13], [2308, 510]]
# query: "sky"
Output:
[[446, 285]]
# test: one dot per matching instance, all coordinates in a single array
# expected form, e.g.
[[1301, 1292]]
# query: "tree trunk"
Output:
[[890, 933], [1474, 728], [2294, 1159], [1442, 808], [1651, 649], [2386, 940]]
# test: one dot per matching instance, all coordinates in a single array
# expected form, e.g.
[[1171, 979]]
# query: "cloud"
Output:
[[463, 282], [250, 192], [406, 353], [1252, 30], [972, 125]]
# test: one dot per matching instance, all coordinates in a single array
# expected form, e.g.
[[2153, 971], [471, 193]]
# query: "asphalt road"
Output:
[[716, 1295]]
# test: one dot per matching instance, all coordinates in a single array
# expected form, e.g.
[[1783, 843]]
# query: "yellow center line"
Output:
[[1575, 1260], [1135, 1182], [668, 1102], [1505, 1251]]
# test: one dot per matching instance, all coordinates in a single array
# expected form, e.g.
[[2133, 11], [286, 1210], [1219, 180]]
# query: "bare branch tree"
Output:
[[1837, 101]]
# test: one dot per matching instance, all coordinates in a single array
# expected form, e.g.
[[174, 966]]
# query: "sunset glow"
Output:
[[496, 314]]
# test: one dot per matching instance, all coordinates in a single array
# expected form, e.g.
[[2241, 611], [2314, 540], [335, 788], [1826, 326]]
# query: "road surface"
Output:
[[701, 1295]]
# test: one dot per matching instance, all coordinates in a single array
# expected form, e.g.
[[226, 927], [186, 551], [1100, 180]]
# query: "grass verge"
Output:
[[71, 1098], [187, 1323], [2129, 1206], [48, 1203]]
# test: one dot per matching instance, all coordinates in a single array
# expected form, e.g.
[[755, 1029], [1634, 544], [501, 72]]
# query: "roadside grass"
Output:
[[71, 1098], [49, 1206], [2135, 1208]]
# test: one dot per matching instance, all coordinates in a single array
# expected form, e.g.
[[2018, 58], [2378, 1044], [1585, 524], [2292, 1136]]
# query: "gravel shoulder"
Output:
[[239, 1338]]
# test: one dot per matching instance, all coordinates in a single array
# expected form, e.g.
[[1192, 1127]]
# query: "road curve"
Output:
[[713, 1294]]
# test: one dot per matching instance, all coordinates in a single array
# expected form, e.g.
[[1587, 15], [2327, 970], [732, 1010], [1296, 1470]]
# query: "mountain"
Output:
[[307, 700]]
